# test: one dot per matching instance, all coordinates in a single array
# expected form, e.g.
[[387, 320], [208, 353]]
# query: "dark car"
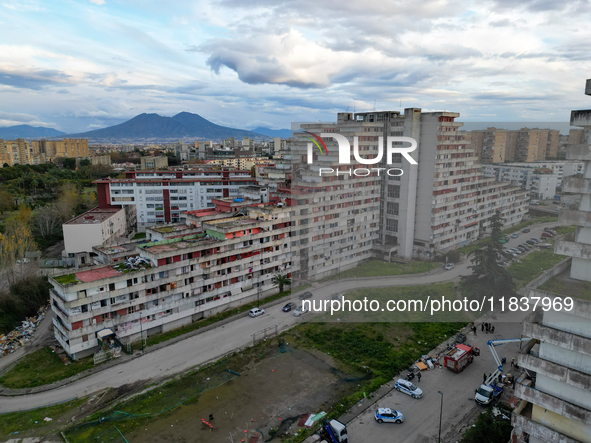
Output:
[[288, 307], [460, 338], [526, 230], [523, 245], [535, 240], [305, 295], [531, 242]]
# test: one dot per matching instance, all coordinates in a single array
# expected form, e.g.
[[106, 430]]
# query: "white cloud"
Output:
[[97, 2]]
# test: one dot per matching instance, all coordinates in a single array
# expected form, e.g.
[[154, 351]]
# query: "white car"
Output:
[[449, 266], [387, 415], [408, 388], [299, 311], [255, 312]]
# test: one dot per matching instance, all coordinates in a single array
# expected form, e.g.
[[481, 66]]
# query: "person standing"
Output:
[[482, 327], [483, 377], [512, 362], [419, 376], [492, 329]]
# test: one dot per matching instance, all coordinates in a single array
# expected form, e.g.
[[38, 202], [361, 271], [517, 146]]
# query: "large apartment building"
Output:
[[556, 397], [497, 145], [25, 152], [440, 204], [163, 196], [214, 261]]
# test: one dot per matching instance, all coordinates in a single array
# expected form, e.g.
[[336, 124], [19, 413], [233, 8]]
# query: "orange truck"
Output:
[[460, 356]]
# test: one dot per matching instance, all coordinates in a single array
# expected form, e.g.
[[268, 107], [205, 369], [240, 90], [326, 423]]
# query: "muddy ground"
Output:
[[272, 394]]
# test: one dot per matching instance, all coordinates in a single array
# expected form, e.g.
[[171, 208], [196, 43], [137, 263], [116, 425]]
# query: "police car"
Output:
[[408, 388], [388, 415]]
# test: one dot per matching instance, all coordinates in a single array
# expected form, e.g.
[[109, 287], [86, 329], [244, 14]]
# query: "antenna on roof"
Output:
[[354, 104], [374, 105]]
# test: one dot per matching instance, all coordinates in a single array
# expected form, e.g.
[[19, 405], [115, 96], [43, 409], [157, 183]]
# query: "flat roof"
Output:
[[94, 216]]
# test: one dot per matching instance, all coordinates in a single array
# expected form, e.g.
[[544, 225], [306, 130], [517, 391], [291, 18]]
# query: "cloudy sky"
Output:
[[81, 65]]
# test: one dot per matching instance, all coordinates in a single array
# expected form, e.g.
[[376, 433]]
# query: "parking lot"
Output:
[[421, 416]]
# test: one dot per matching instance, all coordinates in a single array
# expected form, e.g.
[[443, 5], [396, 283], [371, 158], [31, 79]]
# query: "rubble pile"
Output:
[[22, 334]]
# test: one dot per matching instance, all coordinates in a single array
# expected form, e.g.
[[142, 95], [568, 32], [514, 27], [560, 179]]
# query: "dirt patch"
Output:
[[265, 400]]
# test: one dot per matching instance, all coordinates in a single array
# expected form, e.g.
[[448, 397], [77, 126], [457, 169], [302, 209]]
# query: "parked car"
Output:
[[288, 307], [526, 230], [547, 234], [521, 248], [535, 240], [305, 295], [408, 388], [526, 247], [449, 266], [544, 245], [255, 312], [550, 230], [515, 235], [300, 310], [388, 415], [534, 202], [531, 242], [516, 251]]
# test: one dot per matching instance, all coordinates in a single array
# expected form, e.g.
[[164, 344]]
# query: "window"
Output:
[[391, 225], [393, 191], [392, 208]]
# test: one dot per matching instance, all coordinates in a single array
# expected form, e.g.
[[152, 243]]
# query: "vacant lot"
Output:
[[375, 268]]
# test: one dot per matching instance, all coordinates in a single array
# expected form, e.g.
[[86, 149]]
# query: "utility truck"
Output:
[[491, 390]]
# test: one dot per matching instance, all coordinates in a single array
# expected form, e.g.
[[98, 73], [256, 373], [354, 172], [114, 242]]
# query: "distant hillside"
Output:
[[283, 133], [26, 131], [153, 126]]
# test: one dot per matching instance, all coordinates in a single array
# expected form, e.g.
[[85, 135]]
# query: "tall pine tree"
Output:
[[489, 276]]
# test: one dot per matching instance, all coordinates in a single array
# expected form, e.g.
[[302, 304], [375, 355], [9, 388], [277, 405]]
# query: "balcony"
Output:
[[555, 371], [552, 403], [578, 152], [574, 217], [576, 185], [523, 424]]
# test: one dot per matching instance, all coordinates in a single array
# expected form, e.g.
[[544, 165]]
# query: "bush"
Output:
[[23, 299]]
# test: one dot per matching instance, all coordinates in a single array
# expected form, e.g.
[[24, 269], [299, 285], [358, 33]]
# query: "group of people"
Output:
[[484, 327], [487, 327]]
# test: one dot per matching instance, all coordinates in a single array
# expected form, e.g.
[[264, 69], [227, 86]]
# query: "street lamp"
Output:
[[440, 415]]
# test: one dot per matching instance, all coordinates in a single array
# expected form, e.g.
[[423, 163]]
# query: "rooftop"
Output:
[[175, 244], [94, 216]]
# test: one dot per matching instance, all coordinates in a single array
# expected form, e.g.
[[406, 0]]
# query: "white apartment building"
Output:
[[560, 168], [541, 182], [97, 227], [154, 287], [162, 196]]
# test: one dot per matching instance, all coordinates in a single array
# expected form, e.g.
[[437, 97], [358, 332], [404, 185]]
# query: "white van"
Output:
[[534, 202]]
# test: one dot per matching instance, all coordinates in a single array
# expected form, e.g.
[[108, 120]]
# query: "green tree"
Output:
[[69, 163], [281, 281], [489, 429], [85, 162], [6, 201], [489, 276]]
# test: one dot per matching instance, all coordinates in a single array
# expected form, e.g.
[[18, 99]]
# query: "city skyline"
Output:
[[94, 64]]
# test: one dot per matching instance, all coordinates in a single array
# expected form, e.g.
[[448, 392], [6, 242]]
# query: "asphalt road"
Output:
[[217, 342]]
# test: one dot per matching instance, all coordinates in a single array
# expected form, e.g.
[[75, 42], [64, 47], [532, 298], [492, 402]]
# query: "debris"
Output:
[[22, 334], [47, 419]]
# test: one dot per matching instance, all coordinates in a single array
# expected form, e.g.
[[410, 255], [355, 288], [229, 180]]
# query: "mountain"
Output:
[[26, 131], [153, 126], [283, 133]]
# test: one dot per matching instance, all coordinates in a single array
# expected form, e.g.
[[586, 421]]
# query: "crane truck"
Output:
[[490, 390]]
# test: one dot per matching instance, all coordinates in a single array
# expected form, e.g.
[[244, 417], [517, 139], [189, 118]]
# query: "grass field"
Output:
[[42, 367], [374, 268], [533, 265], [17, 422]]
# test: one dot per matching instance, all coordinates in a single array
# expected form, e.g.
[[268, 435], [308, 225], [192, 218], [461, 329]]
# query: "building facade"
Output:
[[162, 196], [541, 182], [149, 162], [162, 285], [497, 145]]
